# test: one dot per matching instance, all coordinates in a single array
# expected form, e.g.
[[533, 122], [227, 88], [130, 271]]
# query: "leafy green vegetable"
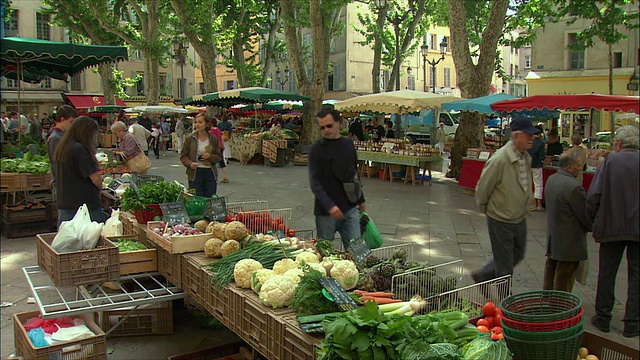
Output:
[[37, 165], [125, 245], [483, 348], [309, 298], [159, 193]]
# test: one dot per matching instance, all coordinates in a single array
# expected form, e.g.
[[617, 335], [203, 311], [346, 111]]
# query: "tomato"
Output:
[[496, 337], [229, 218], [483, 329], [483, 322], [291, 233], [497, 320], [496, 330], [498, 311], [489, 309], [490, 321]]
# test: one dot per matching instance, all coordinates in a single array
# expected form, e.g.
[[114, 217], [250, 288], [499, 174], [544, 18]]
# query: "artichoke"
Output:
[[371, 261], [387, 269]]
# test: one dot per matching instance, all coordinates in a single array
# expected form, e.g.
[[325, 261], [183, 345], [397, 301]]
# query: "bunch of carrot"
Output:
[[379, 297]]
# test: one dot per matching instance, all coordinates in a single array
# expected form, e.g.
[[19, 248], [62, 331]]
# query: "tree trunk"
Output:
[[473, 79], [610, 69], [269, 50], [377, 51], [209, 76], [241, 69], [106, 73]]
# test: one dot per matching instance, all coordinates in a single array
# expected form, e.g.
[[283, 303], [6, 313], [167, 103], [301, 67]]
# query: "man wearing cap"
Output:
[[503, 194]]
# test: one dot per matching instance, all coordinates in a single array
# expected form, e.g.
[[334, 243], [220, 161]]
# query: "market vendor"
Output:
[[129, 147], [554, 147]]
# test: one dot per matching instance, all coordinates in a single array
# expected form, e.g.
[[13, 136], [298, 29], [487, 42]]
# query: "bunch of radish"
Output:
[[491, 322]]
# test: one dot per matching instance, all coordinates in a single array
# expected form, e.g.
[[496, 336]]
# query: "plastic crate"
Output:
[[170, 266], [236, 207], [93, 348], [128, 220], [193, 277], [545, 350], [20, 214], [98, 265], [157, 319], [541, 306], [10, 182], [36, 182], [227, 305], [148, 214], [233, 351], [296, 344], [20, 230], [262, 327], [606, 349]]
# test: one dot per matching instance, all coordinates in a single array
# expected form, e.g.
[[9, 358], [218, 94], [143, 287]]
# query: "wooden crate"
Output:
[[300, 160], [10, 182], [36, 182], [21, 214], [155, 319], [93, 348], [177, 244], [97, 265], [135, 262], [606, 349], [20, 230]]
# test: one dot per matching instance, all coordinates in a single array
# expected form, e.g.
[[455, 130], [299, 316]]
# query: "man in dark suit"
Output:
[[567, 224]]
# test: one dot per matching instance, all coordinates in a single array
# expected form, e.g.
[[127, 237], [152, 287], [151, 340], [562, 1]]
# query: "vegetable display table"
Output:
[[413, 162], [470, 173], [243, 149]]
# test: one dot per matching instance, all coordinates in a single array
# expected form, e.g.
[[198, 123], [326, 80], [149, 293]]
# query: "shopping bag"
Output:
[[79, 233], [369, 231], [113, 225], [583, 272], [139, 163]]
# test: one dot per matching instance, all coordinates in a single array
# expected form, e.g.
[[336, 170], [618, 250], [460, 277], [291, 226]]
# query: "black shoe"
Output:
[[630, 334], [600, 325]]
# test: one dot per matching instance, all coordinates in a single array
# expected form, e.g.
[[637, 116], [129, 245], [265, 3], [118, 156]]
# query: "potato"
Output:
[[583, 352], [591, 357]]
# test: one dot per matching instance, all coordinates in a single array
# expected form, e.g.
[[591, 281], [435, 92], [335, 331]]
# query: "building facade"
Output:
[[559, 70]]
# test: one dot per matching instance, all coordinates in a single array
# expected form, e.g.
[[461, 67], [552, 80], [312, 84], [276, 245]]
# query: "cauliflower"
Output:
[[258, 278], [308, 257], [229, 247], [318, 267], [218, 231], [243, 270], [213, 247], [281, 266], [346, 273], [235, 230], [278, 291], [295, 275]]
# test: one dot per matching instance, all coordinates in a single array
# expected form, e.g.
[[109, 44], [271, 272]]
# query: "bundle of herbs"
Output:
[[309, 298], [159, 193], [265, 254]]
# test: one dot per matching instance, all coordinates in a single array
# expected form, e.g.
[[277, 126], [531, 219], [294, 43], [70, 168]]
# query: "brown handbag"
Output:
[[139, 163]]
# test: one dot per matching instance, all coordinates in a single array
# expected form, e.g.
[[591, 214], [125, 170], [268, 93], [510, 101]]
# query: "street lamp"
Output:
[[433, 62], [180, 48], [279, 77], [409, 72], [424, 50]]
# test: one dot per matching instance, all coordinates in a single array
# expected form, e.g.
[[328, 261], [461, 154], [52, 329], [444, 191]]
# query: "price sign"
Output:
[[279, 234], [216, 209], [359, 250], [484, 155], [313, 328], [114, 185], [339, 295], [175, 213]]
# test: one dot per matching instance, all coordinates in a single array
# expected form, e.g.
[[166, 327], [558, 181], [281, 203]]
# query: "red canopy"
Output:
[[570, 102], [87, 101]]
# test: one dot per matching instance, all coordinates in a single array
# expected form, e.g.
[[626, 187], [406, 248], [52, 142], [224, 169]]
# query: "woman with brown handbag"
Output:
[[200, 154], [130, 151]]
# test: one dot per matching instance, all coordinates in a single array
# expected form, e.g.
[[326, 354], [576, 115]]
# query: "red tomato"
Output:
[[497, 320], [498, 311], [496, 330], [489, 309], [483, 329], [291, 233], [490, 321], [496, 337], [483, 322]]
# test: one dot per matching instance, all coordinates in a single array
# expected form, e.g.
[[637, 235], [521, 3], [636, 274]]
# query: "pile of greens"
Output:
[[159, 193], [309, 298], [367, 333], [32, 164], [125, 245]]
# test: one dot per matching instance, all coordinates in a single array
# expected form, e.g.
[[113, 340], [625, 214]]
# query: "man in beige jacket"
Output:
[[503, 194]]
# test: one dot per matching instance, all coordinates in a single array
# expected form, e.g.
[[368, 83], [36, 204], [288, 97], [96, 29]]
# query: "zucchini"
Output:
[[308, 319]]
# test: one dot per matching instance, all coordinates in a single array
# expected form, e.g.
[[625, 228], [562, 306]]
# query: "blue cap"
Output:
[[521, 123]]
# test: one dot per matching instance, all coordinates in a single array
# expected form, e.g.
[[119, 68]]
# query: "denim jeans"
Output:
[[97, 215], [204, 183], [348, 228]]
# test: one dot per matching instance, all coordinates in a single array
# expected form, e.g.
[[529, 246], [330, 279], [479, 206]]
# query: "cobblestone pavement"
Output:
[[441, 221]]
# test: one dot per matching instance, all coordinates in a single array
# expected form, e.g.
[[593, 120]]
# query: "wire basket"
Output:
[[195, 206], [543, 335], [148, 180], [543, 326], [541, 306], [564, 349]]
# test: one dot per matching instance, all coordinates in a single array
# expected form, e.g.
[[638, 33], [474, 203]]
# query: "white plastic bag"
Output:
[[80, 233], [113, 225]]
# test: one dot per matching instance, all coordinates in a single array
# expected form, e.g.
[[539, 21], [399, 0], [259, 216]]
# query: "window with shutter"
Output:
[[43, 29], [76, 82], [447, 77], [411, 82], [11, 25], [576, 57], [336, 77], [293, 86]]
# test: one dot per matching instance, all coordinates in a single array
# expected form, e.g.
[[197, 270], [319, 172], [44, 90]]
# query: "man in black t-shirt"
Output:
[[355, 130], [332, 163], [145, 121], [377, 132]]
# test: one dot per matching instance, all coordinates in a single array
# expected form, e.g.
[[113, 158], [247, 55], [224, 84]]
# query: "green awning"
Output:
[[244, 95]]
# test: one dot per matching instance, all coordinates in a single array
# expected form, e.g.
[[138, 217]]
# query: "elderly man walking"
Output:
[[567, 224], [503, 194], [613, 205]]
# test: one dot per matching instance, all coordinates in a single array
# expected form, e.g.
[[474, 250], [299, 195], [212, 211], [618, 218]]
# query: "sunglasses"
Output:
[[326, 127]]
